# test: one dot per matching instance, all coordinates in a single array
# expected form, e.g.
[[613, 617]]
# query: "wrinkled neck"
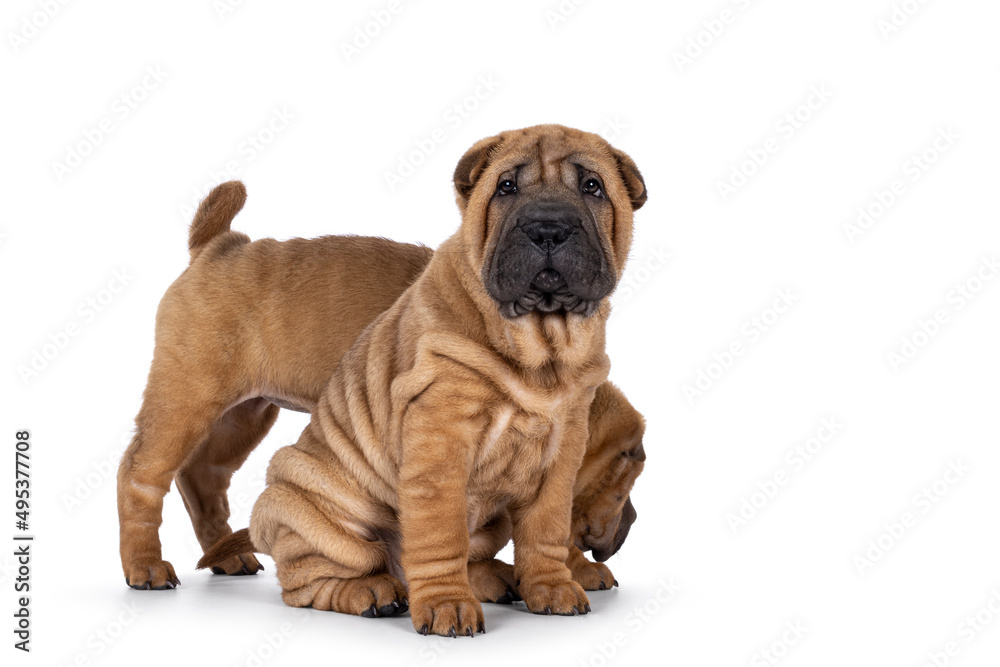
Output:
[[534, 341]]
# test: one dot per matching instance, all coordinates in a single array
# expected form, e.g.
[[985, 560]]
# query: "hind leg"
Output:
[[174, 419], [354, 582], [205, 475]]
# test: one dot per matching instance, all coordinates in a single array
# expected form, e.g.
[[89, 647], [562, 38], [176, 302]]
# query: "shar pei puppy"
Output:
[[459, 417]]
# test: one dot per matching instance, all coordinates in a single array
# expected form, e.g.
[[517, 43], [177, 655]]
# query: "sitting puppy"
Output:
[[466, 403], [613, 459]]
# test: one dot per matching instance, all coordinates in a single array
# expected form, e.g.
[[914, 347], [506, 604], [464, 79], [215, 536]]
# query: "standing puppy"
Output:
[[466, 401]]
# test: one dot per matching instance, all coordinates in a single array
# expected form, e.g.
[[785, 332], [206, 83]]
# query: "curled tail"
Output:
[[234, 545], [215, 213]]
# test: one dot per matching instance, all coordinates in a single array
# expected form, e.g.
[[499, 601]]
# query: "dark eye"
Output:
[[592, 186], [506, 187]]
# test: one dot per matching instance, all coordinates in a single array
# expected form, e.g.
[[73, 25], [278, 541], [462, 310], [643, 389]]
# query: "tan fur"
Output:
[[248, 324], [215, 213], [246, 328], [444, 416]]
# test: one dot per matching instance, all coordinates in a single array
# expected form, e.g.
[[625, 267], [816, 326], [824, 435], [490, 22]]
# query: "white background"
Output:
[[604, 66]]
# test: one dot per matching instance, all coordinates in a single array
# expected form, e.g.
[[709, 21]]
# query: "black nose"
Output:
[[549, 224], [547, 234]]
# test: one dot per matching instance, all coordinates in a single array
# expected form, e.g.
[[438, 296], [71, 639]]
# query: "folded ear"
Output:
[[471, 167], [632, 178]]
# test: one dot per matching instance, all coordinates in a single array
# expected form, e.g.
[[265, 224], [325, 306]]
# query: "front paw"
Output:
[[565, 598], [452, 614], [592, 576], [151, 574]]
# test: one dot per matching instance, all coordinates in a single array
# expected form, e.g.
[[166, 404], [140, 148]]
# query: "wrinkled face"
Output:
[[556, 205], [602, 508], [551, 251]]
